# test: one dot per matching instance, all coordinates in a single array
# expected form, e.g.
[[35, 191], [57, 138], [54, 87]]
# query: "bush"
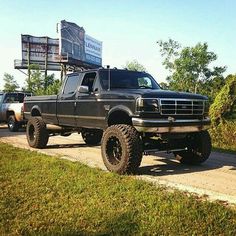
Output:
[[224, 135], [224, 106], [223, 114]]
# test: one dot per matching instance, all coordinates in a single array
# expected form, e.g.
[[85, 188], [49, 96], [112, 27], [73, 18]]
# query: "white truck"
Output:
[[11, 109]]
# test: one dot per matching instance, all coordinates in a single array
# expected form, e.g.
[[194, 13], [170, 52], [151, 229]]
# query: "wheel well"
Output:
[[119, 117], [35, 112], [10, 113]]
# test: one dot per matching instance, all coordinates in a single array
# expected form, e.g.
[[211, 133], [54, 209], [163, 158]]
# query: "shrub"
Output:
[[224, 135], [224, 106], [223, 116]]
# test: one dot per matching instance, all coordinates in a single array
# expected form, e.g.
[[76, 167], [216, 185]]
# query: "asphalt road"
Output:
[[216, 178]]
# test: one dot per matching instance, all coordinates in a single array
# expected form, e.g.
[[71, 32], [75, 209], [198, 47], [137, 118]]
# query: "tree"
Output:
[[134, 65], [10, 83], [212, 87], [53, 87], [189, 66], [40, 85], [35, 82], [164, 85]]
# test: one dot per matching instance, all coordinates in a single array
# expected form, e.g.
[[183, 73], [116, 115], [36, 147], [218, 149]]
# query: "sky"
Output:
[[128, 29]]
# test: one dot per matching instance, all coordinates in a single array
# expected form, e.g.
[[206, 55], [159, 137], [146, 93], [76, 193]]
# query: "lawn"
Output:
[[43, 195]]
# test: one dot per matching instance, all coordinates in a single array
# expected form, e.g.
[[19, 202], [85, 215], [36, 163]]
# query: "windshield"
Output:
[[124, 79]]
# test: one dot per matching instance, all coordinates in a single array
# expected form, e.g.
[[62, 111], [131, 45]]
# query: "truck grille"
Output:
[[181, 107]]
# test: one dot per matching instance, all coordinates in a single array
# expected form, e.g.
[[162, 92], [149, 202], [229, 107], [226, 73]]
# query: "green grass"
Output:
[[43, 195]]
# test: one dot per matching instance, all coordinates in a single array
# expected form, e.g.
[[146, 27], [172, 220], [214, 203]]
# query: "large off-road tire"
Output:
[[36, 132], [199, 149], [121, 149], [12, 124], [92, 136]]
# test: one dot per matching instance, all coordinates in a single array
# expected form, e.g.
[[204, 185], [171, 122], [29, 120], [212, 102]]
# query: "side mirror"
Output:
[[83, 89]]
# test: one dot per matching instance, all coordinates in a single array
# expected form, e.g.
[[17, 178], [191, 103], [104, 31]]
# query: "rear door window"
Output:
[[71, 84]]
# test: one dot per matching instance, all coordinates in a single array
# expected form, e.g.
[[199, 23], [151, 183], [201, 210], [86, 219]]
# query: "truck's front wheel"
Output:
[[199, 149], [37, 134], [121, 149]]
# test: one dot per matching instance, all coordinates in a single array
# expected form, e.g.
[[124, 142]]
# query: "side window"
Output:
[[11, 98], [71, 84], [88, 80]]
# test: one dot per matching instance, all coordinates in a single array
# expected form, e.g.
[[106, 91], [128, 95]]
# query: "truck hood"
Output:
[[159, 93]]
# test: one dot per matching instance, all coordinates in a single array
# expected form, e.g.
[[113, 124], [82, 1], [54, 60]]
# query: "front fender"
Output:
[[120, 108]]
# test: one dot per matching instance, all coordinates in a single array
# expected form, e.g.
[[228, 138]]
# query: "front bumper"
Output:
[[170, 126]]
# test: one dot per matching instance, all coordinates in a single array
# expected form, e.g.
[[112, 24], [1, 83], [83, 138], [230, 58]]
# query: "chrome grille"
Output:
[[181, 107]]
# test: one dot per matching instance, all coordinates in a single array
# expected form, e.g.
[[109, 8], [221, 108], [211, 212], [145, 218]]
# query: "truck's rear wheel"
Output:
[[36, 132], [91, 137], [199, 149], [12, 124], [121, 149]]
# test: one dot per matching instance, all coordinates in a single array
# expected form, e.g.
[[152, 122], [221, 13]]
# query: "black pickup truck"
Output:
[[127, 112]]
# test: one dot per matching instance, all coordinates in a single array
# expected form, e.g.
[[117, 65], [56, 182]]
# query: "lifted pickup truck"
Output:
[[11, 107], [127, 112]]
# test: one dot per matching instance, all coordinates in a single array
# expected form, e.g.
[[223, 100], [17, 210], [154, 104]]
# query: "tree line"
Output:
[[36, 84]]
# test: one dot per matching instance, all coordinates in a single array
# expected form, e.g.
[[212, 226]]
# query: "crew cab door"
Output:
[[87, 108], [66, 103]]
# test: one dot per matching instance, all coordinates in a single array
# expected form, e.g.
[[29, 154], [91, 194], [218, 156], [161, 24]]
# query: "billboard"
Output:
[[93, 50], [43, 51], [73, 49], [39, 48], [76, 45]]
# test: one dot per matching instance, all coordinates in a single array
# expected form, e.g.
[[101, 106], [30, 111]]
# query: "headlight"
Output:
[[147, 105]]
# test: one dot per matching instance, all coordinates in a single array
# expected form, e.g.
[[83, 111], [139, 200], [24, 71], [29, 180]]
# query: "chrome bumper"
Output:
[[170, 126]]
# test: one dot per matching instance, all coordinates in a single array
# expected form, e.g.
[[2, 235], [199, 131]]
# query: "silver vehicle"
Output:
[[11, 107]]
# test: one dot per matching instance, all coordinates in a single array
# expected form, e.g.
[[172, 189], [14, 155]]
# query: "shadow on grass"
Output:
[[120, 224]]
